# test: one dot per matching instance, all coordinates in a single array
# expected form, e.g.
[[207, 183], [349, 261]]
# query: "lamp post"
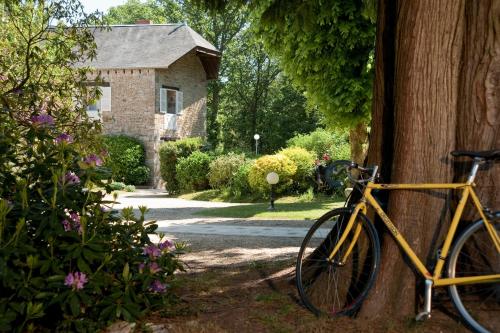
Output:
[[272, 178], [256, 137]]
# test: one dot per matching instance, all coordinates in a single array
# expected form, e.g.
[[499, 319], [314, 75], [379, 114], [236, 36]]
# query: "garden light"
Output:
[[256, 137], [272, 178]]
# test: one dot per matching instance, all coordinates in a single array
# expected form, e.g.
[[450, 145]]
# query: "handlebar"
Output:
[[371, 172]]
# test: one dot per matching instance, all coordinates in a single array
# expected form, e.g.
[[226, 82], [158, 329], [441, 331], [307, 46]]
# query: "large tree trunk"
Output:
[[358, 137], [436, 90]]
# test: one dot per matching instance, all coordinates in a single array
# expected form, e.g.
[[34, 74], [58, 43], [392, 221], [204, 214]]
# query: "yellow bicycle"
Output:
[[339, 257]]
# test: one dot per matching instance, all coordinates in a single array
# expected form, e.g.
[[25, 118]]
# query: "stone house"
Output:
[[154, 84]]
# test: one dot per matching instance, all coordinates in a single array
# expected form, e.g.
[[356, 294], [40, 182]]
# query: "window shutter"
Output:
[[105, 99], [179, 102], [163, 100]]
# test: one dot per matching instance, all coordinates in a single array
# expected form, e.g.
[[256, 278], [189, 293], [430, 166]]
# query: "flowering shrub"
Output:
[[67, 263], [62, 257], [279, 163]]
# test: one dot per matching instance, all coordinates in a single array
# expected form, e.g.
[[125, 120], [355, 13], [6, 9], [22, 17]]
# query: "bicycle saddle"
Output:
[[486, 154]]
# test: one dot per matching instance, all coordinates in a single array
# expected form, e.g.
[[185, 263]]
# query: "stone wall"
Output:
[[187, 75], [135, 105]]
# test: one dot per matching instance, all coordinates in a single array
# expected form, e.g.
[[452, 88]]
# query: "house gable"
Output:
[[151, 46]]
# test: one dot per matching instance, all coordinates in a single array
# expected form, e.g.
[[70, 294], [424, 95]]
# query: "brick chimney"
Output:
[[143, 22]]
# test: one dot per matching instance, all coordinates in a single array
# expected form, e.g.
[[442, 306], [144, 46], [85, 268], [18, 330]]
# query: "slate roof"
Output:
[[147, 46]]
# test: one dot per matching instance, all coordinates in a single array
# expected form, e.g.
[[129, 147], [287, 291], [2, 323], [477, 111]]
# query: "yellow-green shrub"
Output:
[[223, 169], [304, 160], [278, 163]]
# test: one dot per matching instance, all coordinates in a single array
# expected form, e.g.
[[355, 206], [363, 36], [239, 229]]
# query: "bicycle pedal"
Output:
[[424, 315]]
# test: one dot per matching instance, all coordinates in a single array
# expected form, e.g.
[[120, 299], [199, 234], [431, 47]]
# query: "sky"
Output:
[[101, 5]]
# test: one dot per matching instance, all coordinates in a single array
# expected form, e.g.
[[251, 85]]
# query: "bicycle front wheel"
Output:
[[339, 286], [474, 254]]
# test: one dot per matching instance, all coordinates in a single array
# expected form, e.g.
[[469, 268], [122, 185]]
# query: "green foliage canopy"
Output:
[[155, 11], [326, 48]]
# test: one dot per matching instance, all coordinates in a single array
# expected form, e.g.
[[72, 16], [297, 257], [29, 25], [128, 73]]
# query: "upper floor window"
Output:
[[103, 104], [171, 101]]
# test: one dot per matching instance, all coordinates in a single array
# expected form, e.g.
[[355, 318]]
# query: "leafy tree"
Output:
[[48, 77], [327, 50], [155, 10], [67, 264], [221, 29]]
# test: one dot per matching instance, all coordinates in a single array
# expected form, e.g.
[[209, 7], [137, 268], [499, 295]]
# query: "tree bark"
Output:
[[358, 137], [435, 91]]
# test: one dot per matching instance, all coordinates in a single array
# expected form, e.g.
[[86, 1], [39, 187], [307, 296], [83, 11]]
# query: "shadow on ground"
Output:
[[261, 297]]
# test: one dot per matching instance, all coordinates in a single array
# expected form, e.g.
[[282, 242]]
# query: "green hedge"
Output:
[[170, 152], [126, 159], [192, 171], [239, 185]]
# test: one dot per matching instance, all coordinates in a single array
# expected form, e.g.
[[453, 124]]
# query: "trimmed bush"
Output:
[[321, 141], [170, 152], [239, 185], [129, 188], [192, 171], [126, 159], [278, 163], [116, 186], [187, 146], [304, 160], [223, 168]]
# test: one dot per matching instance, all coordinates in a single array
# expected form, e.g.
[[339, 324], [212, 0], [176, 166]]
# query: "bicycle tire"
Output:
[[329, 288], [478, 304]]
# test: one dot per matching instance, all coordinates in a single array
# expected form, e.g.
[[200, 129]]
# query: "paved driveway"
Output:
[[218, 241]]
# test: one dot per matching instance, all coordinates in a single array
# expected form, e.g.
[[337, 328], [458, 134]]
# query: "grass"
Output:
[[287, 208]]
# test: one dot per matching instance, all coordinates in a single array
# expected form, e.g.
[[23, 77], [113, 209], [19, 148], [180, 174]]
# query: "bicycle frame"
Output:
[[467, 191]]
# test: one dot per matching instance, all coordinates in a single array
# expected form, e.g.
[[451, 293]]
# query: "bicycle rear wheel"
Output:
[[336, 288], [474, 254]]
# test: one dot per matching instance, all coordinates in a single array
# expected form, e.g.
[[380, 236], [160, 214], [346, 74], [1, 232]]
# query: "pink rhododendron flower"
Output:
[[66, 225], [42, 120], [72, 222], [158, 287], [71, 178], [152, 251], [64, 138], [167, 244], [76, 280], [93, 160], [154, 268]]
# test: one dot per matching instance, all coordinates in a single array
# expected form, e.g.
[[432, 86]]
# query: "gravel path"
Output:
[[218, 242]]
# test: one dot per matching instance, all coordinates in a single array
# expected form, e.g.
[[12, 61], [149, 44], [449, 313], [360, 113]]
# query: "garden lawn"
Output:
[[287, 208]]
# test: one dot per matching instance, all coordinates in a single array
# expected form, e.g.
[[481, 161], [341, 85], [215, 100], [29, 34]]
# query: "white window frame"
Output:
[[103, 104], [179, 101]]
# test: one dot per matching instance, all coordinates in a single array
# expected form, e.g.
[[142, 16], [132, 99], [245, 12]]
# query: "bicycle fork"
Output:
[[426, 314]]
